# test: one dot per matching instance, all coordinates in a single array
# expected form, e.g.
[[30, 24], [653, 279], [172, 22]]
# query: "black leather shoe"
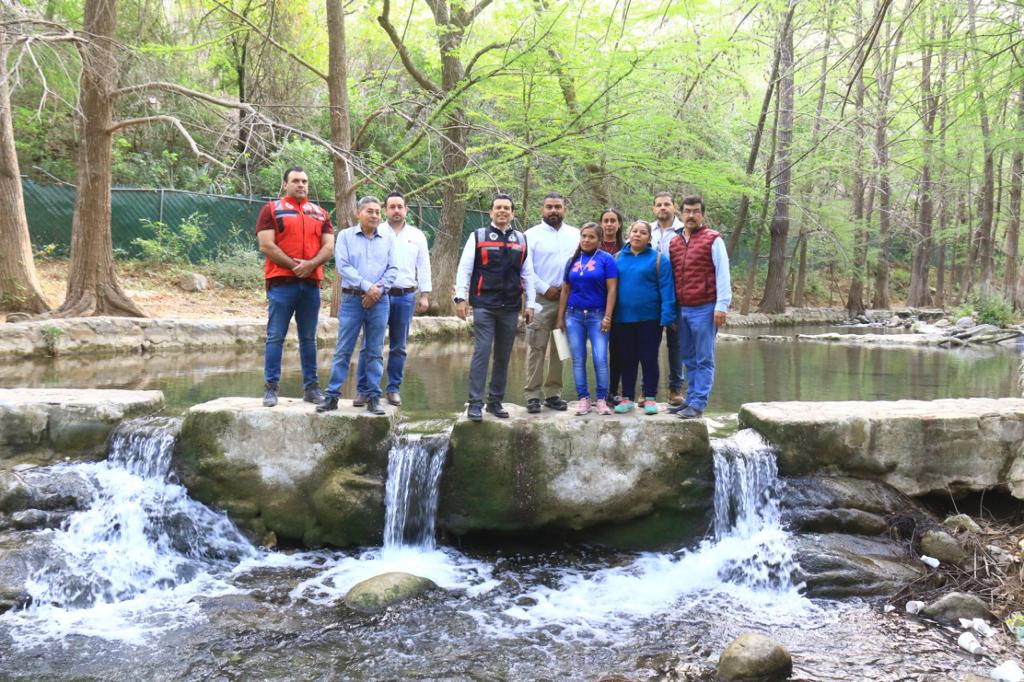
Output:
[[359, 400], [533, 405], [475, 412], [690, 413], [270, 395], [328, 405], [676, 409], [313, 395], [373, 406], [497, 409], [556, 403]]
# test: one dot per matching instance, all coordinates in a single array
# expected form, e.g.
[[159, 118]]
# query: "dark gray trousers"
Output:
[[492, 330]]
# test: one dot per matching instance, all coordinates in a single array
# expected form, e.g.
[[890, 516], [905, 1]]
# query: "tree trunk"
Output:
[[341, 129], [919, 294], [987, 199], [19, 284], [1010, 285], [855, 299], [774, 300], [801, 273], [93, 288]]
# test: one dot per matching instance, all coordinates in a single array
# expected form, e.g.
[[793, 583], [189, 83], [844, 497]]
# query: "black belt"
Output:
[[354, 292], [396, 291]]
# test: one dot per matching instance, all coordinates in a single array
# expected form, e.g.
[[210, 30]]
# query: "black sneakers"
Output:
[[373, 406], [556, 403], [475, 412], [313, 395], [328, 405], [533, 405], [497, 409], [689, 413]]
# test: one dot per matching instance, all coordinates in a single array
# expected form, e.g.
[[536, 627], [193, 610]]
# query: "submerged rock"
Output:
[[381, 591], [567, 472], [944, 547], [950, 608], [917, 446], [310, 478], [836, 565], [753, 657]]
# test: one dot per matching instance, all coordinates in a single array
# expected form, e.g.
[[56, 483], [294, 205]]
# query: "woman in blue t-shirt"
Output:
[[585, 312]]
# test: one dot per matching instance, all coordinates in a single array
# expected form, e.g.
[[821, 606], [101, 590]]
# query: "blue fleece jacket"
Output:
[[646, 292]]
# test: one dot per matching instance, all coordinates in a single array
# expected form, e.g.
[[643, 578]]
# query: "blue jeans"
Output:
[[582, 324], [697, 334], [399, 320], [301, 299], [372, 321]]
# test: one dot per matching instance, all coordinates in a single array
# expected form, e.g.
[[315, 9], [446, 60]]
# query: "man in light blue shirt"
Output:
[[663, 230], [366, 265]]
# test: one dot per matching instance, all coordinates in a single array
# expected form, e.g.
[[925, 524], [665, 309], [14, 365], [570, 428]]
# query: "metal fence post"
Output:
[[161, 217]]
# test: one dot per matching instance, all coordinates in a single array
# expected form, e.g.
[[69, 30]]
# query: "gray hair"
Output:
[[369, 199]]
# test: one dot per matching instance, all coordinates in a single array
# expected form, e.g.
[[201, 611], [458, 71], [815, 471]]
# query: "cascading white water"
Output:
[[411, 491], [140, 536]]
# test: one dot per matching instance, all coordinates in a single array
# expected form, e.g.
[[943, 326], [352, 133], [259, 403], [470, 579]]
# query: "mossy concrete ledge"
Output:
[[312, 478], [42, 425], [560, 471], [917, 446]]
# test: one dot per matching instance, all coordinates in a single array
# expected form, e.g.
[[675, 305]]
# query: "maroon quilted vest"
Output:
[[692, 267]]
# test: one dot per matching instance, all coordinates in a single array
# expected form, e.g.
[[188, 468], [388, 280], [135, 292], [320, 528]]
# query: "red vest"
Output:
[[297, 232], [693, 268]]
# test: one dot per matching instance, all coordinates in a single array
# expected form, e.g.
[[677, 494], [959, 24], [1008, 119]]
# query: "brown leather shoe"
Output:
[[359, 400], [675, 398], [393, 399]]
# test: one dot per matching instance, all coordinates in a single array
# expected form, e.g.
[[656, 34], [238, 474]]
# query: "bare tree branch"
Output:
[[475, 12], [266, 36], [174, 121], [403, 53], [480, 53]]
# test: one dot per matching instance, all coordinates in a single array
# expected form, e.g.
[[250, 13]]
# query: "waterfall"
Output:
[[747, 509], [140, 532], [411, 492]]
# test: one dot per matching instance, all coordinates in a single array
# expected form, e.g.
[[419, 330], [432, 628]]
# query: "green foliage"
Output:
[[171, 245], [299, 152], [51, 337], [993, 309], [237, 264]]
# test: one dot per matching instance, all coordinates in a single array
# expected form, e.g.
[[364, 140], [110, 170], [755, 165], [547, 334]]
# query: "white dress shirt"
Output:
[[661, 237], [411, 257], [550, 251], [465, 271]]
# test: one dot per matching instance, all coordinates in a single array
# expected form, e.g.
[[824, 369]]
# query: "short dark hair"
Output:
[[394, 195], [553, 195], [499, 196], [664, 193], [293, 169], [694, 199]]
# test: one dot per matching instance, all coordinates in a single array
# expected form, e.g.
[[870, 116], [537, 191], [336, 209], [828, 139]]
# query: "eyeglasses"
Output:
[[691, 211]]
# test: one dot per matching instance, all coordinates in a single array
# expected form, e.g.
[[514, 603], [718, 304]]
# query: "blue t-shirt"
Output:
[[586, 278]]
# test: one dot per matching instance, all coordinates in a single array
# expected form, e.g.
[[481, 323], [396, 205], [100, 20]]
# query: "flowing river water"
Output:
[[144, 583]]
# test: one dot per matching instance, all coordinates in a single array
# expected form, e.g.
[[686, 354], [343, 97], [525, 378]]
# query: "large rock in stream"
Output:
[[917, 446], [306, 477], [564, 472], [42, 425]]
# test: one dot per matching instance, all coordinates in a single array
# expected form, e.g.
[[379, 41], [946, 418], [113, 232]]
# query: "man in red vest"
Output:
[[700, 265], [297, 238]]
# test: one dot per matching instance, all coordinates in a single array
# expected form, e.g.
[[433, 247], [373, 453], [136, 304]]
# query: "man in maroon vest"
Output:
[[700, 266]]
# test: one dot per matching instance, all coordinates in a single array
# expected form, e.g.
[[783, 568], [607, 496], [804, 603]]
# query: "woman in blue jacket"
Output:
[[646, 303]]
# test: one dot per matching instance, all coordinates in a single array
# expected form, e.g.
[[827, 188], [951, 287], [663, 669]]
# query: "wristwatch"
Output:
[[459, 300]]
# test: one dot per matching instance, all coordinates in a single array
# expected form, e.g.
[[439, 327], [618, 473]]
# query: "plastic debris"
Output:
[[1008, 672], [978, 625], [914, 606], [888, 608], [969, 642], [930, 560], [1016, 624]]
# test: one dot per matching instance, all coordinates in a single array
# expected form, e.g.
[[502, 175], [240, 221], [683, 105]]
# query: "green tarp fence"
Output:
[[224, 219]]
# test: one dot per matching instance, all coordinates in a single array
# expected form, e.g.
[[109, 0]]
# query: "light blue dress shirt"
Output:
[[364, 261]]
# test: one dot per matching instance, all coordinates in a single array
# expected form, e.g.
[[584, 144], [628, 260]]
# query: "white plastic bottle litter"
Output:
[[914, 606], [1008, 672], [930, 560]]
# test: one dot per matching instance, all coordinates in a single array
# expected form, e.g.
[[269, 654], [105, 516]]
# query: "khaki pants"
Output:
[[541, 351]]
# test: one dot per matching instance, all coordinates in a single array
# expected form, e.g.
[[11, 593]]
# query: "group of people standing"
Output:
[[615, 293], [599, 286]]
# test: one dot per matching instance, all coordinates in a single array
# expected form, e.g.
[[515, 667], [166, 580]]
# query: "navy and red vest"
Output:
[[496, 281], [297, 231], [693, 268]]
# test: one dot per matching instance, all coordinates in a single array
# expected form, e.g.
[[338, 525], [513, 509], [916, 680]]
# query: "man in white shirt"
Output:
[[667, 226], [551, 244], [413, 263]]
